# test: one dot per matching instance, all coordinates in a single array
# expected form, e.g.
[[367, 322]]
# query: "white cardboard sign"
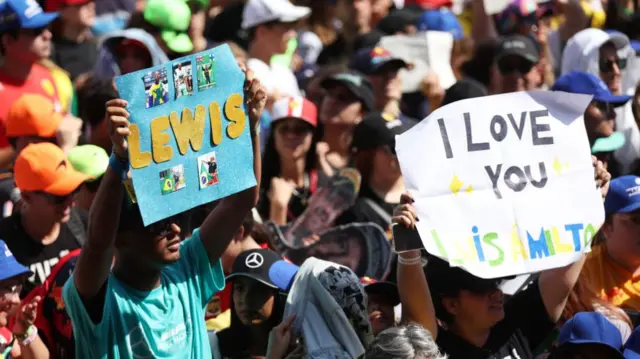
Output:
[[503, 184]]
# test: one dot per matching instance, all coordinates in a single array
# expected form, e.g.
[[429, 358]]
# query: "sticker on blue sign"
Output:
[[181, 139]]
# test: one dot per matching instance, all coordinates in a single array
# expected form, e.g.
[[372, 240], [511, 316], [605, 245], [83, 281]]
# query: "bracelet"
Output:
[[255, 131], [28, 336], [120, 165], [409, 261]]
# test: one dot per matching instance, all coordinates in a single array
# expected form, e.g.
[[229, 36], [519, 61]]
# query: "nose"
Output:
[[175, 229], [47, 35], [12, 299], [615, 69]]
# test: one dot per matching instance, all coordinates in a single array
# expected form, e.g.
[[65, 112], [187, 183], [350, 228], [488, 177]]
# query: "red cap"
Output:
[[56, 5], [295, 107], [430, 4]]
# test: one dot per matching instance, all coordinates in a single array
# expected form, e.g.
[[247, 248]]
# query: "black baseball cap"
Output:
[[464, 89], [388, 290], [355, 83], [265, 266], [378, 129], [518, 45], [371, 61], [445, 280], [398, 20]]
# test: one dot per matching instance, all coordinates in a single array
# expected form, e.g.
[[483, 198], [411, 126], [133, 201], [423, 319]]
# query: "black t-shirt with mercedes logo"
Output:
[[525, 325]]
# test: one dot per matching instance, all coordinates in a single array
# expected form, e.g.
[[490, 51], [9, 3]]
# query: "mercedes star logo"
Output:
[[254, 260]]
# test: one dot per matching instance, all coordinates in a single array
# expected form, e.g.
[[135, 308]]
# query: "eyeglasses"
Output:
[[12, 290], [511, 65], [606, 65]]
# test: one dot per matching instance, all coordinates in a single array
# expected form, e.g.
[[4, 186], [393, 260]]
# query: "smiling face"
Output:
[[381, 313], [611, 67], [622, 233]]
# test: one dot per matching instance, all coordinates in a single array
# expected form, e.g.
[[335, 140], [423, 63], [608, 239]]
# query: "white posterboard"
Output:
[[504, 184], [492, 7], [425, 50]]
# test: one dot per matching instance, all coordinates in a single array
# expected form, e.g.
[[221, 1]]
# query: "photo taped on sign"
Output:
[[207, 170], [156, 88], [206, 70], [172, 179], [182, 79]]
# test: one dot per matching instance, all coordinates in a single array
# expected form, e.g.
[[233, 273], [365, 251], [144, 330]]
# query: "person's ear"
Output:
[[450, 305], [239, 236]]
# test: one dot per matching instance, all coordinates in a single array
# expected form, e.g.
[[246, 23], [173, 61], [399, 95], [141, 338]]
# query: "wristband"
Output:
[[28, 336], [255, 131], [409, 261], [120, 165]]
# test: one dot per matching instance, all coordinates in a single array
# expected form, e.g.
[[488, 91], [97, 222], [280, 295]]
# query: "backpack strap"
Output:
[[76, 226]]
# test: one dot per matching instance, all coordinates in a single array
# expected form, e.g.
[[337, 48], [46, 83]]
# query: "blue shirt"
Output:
[[167, 322]]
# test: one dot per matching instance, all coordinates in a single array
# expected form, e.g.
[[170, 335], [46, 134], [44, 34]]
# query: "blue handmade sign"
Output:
[[190, 141]]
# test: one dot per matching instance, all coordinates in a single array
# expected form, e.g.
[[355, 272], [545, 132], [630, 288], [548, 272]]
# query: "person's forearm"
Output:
[[278, 213], [94, 263], [35, 350], [575, 20], [415, 296], [482, 26], [555, 286], [257, 161]]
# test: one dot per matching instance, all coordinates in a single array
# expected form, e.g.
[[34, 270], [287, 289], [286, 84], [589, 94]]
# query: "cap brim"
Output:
[[630, 354], [68, 183], [615, 100], [41, 20], [632, 207], [177, 42], [391, 64], [529, 57], [19, 269], [294, 14], [614, 351], [608, 144], [386, 289], [252, 276]]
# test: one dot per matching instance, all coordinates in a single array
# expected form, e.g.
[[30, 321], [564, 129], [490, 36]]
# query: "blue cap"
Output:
[[26, 14], [632, 346], [635, 45], [589, 84], [441, 20], [623, 195], [9, 266], [265, 266], [370, 61], [591, 328]]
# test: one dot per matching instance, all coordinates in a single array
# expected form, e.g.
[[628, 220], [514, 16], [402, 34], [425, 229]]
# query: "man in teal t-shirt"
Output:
[[150, 302]]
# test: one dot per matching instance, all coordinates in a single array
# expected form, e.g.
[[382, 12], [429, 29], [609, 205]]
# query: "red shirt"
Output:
[[39, 81]]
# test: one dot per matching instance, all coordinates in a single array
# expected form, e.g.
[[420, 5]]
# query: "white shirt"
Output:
[[275, 78]]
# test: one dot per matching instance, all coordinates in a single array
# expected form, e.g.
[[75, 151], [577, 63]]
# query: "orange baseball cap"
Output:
[[44, 167], [32, 115]]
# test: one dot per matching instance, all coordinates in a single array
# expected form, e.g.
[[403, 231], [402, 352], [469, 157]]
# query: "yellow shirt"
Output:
[[611, 281]]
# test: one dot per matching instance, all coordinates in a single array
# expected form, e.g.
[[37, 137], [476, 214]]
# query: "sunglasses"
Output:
[[57, 199], [509, 66], [163, 228], [606, 65]]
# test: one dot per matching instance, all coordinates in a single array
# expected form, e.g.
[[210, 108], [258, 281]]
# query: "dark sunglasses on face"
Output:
[[163, 227], [342, 98], [606, 65], [511, 65]]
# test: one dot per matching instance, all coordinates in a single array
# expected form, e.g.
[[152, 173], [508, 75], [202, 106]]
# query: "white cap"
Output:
[[258, 12]]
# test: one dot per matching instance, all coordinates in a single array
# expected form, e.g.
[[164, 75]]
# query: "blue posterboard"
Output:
[[190, 141]]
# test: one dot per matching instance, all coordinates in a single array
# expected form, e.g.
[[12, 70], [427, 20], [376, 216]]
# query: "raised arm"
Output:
[[417, 304], [556, 284], [222, 223], [94, 262]]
